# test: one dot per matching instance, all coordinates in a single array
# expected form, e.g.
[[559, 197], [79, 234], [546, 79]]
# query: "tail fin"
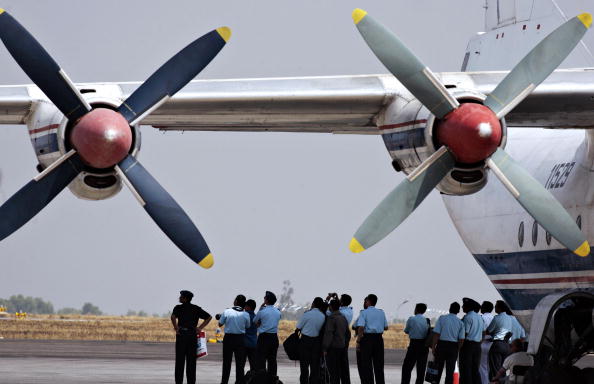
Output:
[[513, 28]]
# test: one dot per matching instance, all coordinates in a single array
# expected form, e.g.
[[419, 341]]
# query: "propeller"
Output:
[[470, 133], [102, 138]]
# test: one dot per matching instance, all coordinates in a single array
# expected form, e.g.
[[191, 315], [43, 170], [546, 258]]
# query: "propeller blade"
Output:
[[538, 202], [38, 193], [174, 75], [537, 65], [403, 200], [403, 64], [41, 68], [168, 215]]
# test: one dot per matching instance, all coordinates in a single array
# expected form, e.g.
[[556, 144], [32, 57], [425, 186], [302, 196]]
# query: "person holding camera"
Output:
[[267, 320], [236, 321], [335, 344]]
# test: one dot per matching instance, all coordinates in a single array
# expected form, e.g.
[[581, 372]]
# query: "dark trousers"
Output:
[[470, 362], [416, 354], [372, 358], [266, 350], [252, 358], [335, 360], [345, 372], [498, 352], [359, 363], [233, 344], [186, 344], [309, 359], [446, 354]]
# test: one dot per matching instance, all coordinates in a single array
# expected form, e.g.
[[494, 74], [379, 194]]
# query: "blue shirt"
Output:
[[269, 316], [373, 320], [311, 322], [500, 326], [347, 312], [251, 333], [474, 325], [417, 327], [449, 328], [518, 331], [235, 321]]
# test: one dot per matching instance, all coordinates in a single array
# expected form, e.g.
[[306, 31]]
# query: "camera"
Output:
[[218, 316]]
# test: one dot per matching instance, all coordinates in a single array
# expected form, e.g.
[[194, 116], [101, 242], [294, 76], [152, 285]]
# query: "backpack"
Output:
[[291, 346], [261, 377]]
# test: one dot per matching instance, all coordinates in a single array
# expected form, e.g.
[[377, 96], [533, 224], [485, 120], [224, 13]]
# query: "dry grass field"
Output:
[[128, 328]]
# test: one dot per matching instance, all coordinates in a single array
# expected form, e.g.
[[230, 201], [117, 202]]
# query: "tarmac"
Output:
[[70, 362]]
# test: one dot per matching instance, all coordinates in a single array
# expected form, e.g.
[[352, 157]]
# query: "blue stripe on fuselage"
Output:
[[528, 262]]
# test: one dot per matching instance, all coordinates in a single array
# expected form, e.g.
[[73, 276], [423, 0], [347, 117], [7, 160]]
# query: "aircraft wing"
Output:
[[337, 104]]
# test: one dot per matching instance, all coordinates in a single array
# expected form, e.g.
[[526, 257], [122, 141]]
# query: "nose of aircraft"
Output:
[[102, 138]]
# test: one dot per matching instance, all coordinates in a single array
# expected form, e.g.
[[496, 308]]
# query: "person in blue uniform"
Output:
[[360, 369], [267, 320], [470, 353], [251, 334], [371, 325], [448, 336], [500, 330], [309, 326], [518, 332], [417, 329], [185, 318], [236, 321]]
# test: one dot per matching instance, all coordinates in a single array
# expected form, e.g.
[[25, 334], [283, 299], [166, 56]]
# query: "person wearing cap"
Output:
[[236, 321], [448, 336], [371, 325], [267, 320], [470, 353], [185, 318], [251, 334], [417, 329], [309, 325], [500, 330], [335, 340], [487, 315]]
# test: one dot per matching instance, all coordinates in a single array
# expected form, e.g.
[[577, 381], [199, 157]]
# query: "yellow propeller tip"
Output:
[[358, 15], [1, 11], [586, 19], [583, 250], [355, 246], [225, 33], [207, 262]]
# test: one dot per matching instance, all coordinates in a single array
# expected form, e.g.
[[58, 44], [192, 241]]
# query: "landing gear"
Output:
[[562, 339]]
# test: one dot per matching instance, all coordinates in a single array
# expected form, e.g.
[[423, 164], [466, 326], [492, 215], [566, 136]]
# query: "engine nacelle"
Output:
[[407, 129], [49, 130]]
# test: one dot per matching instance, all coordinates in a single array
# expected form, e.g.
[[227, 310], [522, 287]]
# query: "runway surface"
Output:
[[69, 362]]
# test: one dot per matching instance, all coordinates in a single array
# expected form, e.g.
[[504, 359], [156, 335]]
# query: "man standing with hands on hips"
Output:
[[185, 322], [371, 325]]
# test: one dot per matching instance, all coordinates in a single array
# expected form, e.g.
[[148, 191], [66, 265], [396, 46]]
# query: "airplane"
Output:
[[419, 114]]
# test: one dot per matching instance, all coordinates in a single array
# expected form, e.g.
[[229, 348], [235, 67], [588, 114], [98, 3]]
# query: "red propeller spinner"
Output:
[[471, 132], [102, 138]]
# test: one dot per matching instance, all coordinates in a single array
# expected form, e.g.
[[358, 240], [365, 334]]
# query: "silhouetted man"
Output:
[[185, 322]]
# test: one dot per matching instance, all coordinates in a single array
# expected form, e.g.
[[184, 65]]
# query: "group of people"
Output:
[[324, 333], [486, 346]]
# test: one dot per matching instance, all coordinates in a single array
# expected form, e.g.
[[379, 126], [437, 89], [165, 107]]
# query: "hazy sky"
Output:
[[271, 206]]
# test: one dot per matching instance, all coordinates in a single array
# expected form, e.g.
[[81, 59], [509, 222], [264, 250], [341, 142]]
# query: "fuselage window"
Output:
[[521, 234], [578, 221], [548, 238], [534, 233]]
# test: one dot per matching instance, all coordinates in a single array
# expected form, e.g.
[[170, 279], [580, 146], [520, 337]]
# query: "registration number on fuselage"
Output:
[[559, 175]]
